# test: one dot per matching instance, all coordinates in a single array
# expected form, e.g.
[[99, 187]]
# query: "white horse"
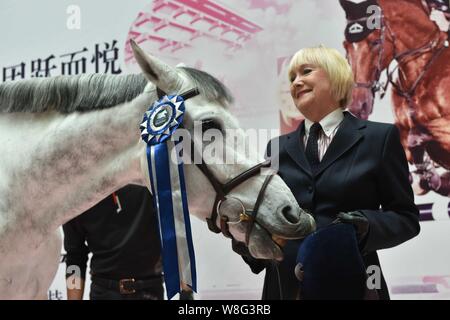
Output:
[[68, 142]]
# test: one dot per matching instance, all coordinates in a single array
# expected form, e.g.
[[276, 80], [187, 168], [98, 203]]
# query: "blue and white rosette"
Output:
[[169, 190]]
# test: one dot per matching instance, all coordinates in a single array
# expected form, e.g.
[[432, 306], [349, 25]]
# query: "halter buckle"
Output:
[[245, 217]]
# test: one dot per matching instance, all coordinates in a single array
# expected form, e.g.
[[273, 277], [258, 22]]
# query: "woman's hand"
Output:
[[358, 220]]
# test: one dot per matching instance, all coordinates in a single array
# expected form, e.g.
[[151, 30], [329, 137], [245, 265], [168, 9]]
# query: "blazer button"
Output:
[[310, 189]]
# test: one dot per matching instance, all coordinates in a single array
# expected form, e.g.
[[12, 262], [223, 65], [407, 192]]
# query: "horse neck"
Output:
[[115, 150], [412, 28], [77, 161]]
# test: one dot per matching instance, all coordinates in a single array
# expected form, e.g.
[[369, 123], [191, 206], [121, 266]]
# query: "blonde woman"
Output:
[[339, 167]]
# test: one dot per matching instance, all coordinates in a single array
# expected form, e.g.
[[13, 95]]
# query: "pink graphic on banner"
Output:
[[281, 8], [171, 27], [423, 287]]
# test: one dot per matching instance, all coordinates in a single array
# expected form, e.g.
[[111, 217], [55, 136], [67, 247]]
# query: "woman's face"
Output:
[[311, 92]]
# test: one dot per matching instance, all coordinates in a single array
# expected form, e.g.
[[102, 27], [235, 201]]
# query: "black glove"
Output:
[[358, 220], [256, 265], [240, 248]]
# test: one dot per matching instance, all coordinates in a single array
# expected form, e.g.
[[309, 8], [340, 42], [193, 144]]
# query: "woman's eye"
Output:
[[300, 72]]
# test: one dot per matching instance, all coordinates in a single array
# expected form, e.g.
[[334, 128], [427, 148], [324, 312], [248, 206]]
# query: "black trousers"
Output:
[[100, 291]]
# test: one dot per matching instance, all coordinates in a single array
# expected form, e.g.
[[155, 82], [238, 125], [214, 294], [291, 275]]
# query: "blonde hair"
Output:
[[334, 64]]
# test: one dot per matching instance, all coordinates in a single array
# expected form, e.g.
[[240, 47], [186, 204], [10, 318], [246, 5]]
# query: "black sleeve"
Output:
[[398, 218], [75, 247]]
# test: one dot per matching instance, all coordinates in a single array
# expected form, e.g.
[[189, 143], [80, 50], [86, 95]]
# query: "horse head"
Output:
[[219, 190], [86, 145], [369, 49]]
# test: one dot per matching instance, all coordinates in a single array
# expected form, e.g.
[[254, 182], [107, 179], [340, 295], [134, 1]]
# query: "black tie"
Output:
[[312, 148]]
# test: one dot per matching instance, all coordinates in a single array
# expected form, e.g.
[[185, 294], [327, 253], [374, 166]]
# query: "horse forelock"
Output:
[[81, 93], [209, 87]]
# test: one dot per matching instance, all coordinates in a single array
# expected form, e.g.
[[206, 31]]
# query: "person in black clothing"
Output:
[[341, 169], [122, 233]]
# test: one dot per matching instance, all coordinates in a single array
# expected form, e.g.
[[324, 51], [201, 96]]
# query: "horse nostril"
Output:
[[289, 214]]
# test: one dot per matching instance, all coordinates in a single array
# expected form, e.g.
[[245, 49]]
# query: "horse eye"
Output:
[[375, 42], [210, 124]]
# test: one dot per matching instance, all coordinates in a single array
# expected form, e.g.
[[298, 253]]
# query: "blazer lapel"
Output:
[[295, 148], [346, 137]]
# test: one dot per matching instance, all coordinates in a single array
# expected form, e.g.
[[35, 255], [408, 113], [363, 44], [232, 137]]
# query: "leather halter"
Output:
[[223, 189], [374, 85]]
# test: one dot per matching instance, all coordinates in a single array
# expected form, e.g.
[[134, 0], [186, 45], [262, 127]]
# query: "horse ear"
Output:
[[159, 73], [347, 5]]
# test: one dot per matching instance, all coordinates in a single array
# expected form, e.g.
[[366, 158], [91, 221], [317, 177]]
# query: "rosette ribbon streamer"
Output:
[[169, 190]]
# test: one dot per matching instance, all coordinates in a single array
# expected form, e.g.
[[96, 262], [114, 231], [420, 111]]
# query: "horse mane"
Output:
[[88, 92]]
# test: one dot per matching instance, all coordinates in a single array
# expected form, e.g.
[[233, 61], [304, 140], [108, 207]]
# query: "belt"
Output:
[[127, 286]]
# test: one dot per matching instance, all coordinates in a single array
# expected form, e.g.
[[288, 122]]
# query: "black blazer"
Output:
[[364, 169]]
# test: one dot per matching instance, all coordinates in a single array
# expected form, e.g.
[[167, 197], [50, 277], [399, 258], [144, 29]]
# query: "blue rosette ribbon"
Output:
[[169, 191]]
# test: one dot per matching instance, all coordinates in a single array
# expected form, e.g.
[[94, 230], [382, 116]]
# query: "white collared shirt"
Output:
[[330, 125]]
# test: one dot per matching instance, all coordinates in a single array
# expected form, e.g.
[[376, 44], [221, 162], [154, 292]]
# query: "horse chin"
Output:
[[262, 246], [279, 241]]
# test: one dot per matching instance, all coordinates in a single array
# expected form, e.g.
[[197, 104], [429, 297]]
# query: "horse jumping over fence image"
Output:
[[408, 37]]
